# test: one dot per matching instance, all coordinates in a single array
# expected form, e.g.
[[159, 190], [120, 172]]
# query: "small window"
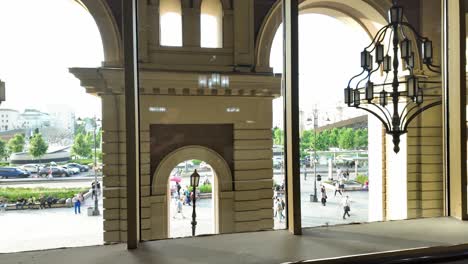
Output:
[[170, 21], [211, 24]]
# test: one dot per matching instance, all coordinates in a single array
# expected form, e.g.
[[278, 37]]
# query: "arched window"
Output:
[[170, 23], [211, 24]]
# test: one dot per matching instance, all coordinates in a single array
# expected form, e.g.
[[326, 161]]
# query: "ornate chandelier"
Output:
[[395, 103]]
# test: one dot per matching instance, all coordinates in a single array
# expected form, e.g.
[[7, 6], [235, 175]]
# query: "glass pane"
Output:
[[50, 134]]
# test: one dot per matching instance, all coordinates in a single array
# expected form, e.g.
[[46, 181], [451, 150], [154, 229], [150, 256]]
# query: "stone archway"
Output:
[[222, 189], [108, 28], [371, 17]]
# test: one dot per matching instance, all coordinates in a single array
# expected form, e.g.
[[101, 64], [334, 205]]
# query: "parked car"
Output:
[[98, 167], [7, 172], [79, 166], [56, 172], [32, 168], [71, 169]]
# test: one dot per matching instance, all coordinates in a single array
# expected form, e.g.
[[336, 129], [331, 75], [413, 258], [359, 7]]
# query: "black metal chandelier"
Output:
[[395, 103]]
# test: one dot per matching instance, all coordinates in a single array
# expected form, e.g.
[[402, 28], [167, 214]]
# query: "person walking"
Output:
[[178, 187], [337, 188], [77, 204], [179, 208], [346, 208], [279, 209], [324, 195]]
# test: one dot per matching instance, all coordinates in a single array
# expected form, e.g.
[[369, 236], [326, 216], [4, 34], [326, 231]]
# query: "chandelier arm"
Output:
[[419, 37], [422, 81], [403, 110], [383, 112], [415, 114], [367, 76], [377, 35], [404, 115], [431, 69], [355, 76], [376, 115]]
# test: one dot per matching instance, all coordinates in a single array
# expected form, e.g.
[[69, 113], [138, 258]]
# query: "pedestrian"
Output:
[[3, 205], [346, 208], [31, 202], [178, 187], [337, 188], [179, 208], [339, 173], [347, 174], [77, 204], [324, 195], [279, 209], [188, 201], [98, 185], [50, 200], [342, 185], [42, 202], [20, 203]]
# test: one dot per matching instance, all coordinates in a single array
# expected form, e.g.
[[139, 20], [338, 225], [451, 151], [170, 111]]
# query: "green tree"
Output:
[[81, 147], [346, 139], [306, 143], [37, 145], [16, 144], [333, 137], [278, 136], [361, 139], [4, 153]]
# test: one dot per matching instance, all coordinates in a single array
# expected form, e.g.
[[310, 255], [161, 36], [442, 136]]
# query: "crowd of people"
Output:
[[183, 196]]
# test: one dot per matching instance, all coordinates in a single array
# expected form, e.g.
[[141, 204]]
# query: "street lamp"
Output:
[[314, 197], [194, 180], [96, 207]]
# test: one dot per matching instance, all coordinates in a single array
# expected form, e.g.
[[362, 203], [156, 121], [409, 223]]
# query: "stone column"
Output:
[[191, 26]]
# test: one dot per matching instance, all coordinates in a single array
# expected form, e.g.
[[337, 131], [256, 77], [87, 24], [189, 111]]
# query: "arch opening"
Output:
[[218, 174], [324, 117], [181, 195]]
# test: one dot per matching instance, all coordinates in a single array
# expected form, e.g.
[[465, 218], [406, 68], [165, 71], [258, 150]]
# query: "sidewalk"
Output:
[[50, 228]]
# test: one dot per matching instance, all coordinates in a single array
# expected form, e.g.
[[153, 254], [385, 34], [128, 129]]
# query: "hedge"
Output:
[[13, 194], [362, 179], [205, 188]]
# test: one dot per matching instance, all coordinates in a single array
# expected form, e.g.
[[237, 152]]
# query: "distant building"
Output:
[[9, 119], [32, 118]]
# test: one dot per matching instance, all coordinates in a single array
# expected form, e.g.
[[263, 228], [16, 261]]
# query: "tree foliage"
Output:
[[343, 138], [4, 153], [278, 136], [346, 139], [16, 144], [37, 145], [81, 147]]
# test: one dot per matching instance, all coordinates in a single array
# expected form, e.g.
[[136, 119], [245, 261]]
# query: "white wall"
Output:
[[375, 169], [397, 206]]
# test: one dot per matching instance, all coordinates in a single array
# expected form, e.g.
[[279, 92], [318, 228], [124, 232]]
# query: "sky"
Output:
[[329, 55], [36, 52]]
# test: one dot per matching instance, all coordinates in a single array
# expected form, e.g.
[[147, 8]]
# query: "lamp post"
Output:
[[314, 198], [96, 207], [194, 180]]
